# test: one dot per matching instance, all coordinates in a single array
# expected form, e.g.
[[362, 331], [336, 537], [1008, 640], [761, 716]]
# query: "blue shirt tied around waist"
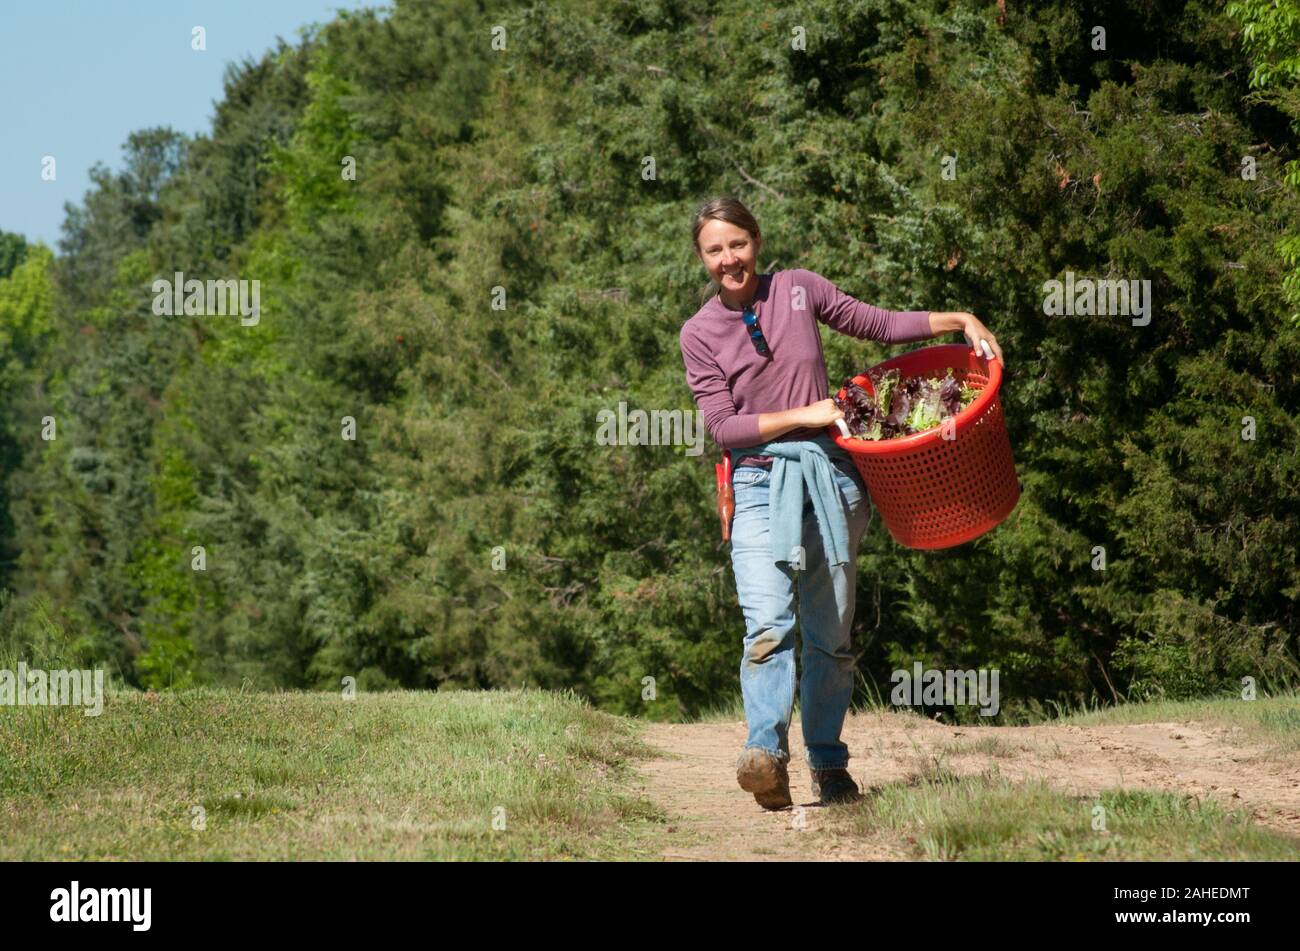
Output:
[[796, 465]]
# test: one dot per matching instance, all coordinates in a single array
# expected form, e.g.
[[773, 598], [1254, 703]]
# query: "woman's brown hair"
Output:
[[730, 210]]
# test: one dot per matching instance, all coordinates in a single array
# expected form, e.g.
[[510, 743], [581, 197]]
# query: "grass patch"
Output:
[[219, 774], [986, 817], [729, 709], [994, 746], [1271, 722]]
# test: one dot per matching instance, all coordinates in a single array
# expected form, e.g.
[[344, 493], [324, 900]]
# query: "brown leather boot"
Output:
[[764, 775]]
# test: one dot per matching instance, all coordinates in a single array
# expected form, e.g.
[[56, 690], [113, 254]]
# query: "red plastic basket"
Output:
[[934, 492]]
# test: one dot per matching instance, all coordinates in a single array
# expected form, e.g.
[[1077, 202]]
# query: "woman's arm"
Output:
[[854, 318], [730, 429], [847, 315], [812, 416], [942, 322]]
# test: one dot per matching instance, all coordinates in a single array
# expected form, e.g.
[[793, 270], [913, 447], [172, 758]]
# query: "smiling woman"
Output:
[[754, 363], [728, 245]]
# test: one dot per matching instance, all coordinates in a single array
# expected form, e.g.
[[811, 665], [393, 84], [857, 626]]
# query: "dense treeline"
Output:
[[474, 533]]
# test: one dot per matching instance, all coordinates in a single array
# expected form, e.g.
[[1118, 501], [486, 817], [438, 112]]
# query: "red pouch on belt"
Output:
[[726, 498]]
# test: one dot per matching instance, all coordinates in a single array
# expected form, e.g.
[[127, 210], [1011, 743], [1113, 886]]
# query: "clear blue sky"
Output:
[[78, 76]]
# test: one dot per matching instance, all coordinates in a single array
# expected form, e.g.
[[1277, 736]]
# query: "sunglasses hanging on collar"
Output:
[[755, 332]]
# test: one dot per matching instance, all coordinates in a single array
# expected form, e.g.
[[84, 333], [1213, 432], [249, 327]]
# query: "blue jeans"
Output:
[[826, 598]]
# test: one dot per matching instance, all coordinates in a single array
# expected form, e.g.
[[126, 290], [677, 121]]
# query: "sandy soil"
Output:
[[695, 779]]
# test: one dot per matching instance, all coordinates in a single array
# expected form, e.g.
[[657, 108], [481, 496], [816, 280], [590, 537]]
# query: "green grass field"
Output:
[[315, 776], [988, 818], [226, 775]]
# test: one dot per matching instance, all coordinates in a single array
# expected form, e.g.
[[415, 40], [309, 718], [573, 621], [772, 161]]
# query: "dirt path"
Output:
[[695, 778]]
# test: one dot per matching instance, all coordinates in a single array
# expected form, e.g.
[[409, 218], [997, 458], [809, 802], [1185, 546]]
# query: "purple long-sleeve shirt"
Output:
[[733, 383]]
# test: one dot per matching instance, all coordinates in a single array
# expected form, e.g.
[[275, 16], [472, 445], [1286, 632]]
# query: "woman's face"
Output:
[[730, 255]]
